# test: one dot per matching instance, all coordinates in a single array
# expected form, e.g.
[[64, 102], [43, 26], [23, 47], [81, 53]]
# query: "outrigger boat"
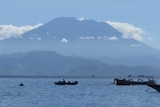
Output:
[[155, 86], [141, 80]]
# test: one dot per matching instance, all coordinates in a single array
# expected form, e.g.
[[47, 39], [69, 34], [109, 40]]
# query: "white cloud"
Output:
[[87, 37], [136, 45], [102, 37], [37, 38], [64, 40], [8, 31], [128, 30], [113, 38], [99, 38], [81, 18]]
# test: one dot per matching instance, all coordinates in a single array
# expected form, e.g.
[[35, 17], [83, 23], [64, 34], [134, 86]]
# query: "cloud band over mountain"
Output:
[[128, 30], [9, 31]]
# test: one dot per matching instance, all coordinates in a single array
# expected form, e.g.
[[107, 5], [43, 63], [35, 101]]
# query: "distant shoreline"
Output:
[[61, 76], [42, 76]]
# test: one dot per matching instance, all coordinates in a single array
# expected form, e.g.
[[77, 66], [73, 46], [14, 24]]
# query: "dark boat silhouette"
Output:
[[21, 84], [141, 80], [66, 83], [154, 86]]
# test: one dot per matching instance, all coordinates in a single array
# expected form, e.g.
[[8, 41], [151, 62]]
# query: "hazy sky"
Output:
[[140, 13]]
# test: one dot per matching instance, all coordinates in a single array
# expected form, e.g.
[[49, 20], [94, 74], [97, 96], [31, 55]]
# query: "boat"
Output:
[[122, 82], [141, 80], [154, 86], [21, 84], [66, 83]]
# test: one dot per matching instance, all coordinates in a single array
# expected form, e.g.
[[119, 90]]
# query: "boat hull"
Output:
[[66, 83], [123, 82], [130, 82], [155, 86]]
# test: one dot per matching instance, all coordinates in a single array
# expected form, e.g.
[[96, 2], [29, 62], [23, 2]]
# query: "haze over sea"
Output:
[[90, 92]]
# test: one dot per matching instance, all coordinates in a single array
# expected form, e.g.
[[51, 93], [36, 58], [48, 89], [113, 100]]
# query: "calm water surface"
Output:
[[41, 92]]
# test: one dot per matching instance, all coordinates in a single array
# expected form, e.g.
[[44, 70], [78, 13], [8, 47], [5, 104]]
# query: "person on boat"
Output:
[[64, 81]]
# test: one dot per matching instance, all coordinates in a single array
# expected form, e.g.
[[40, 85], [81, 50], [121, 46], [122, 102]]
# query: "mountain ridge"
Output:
[[50, 63]]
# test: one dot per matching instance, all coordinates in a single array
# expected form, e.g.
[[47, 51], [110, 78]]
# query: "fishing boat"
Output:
[[140, 80], [155, 86], [66, 83]]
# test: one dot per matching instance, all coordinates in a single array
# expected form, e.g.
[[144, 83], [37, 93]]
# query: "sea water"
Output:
[[91, 92]]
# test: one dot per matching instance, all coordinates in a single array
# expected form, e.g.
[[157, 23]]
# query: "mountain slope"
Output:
[[49, 63], [69, 36], [71, 28], [40, 63]]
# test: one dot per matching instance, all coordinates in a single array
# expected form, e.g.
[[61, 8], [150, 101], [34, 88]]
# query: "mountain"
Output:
[[84, 38], [96, 39], [50, 63], [69, 36], [71, 28]]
